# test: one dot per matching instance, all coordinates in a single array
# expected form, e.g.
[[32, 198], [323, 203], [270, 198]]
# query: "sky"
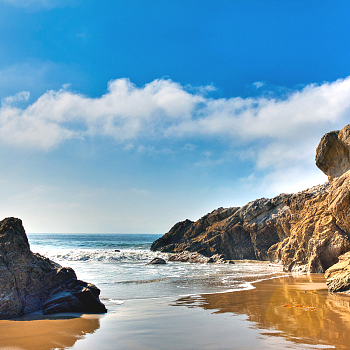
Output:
[[129, 116]]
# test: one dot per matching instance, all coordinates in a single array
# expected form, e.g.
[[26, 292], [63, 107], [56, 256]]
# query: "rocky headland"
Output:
[[307, 231], [30, 282]]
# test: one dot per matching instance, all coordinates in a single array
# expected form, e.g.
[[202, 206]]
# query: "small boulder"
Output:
[[157, 261], [332, 153]]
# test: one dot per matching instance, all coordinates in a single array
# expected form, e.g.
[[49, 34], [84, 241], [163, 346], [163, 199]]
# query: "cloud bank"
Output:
[[275, 131]]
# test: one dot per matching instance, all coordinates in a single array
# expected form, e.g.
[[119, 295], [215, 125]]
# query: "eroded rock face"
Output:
[[236, 233], [295, 229], [315, 240], [30, 282], [306, 231], [339, 201], [338, 275]]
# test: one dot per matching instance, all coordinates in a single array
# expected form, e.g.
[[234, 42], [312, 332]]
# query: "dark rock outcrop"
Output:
[[236, 233], [30, 282], [249, 232], [306, 231]]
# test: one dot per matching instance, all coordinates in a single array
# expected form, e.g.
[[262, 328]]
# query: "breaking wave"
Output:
[[117, 264], [113, 255]]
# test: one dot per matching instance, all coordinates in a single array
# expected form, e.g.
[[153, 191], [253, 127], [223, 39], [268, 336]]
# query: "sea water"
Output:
[[118, 265]]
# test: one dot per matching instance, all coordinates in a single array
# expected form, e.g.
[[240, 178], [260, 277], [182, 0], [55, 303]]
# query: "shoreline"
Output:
[[294, 312], [248, 284]]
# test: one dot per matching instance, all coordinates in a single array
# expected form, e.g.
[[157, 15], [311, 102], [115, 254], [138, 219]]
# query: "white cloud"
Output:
[[125, 112], [258, 84], [279, 133], [20, 97]]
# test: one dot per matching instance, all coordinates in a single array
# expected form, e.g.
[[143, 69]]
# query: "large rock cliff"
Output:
[[306, 231], [30, 282]]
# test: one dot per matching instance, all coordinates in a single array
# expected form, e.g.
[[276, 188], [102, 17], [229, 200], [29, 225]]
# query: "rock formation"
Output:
[[332, 153], [157, 261], [315, 241], [338, 275], [31, 282], [306, 231]]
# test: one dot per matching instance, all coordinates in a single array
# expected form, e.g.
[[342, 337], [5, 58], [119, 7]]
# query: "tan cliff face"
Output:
[[306, 231], [315, 240]]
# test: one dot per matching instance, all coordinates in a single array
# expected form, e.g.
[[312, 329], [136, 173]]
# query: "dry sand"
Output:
[[282, 313]]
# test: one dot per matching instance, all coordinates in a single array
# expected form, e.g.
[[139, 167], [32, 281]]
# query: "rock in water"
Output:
[[157, 261], [30, 282]]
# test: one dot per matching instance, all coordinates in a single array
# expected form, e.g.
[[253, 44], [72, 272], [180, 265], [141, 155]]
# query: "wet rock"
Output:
[[157, 261], [30, 282], [74, 296]]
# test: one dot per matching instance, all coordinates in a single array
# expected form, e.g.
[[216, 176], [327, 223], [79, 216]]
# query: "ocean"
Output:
[[117, 265]]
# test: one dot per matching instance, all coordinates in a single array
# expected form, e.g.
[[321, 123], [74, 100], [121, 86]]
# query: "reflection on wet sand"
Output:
[[282, 313], [298, 308], [46, 333]]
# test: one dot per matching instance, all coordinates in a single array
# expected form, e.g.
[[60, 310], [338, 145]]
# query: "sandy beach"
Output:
[[281, 313]]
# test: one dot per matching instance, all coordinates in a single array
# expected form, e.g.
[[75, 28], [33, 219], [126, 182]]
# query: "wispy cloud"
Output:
[[22, 96]]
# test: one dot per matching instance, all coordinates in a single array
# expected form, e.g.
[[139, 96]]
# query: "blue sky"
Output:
[[129, 116]]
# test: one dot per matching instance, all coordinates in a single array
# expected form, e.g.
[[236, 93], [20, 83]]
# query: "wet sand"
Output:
[[282, 313]]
